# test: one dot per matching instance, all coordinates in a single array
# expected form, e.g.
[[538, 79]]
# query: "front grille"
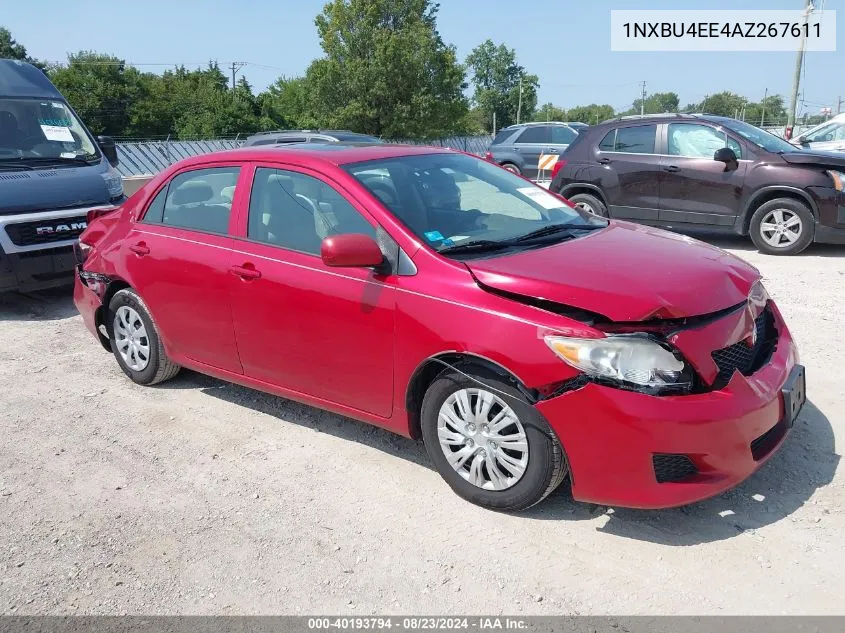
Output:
[[670, 467], [744, 359], [764, 444], [27, 233], [61, 250]]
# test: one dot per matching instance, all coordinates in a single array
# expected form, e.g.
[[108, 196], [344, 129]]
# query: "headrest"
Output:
[[192, 193], [228, 193]]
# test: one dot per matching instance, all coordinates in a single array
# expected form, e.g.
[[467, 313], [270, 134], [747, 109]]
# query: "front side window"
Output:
[[200, 200], [536, 134], [450, 200], [43, 129], [296, 211], [826, 133], [694, 140]]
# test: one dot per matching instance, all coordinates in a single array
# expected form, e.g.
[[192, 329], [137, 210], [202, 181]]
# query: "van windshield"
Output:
[[39, 130]]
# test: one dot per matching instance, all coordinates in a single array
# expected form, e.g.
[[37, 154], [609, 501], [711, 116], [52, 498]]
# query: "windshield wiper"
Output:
[[14, 164], [553, 229], [474, 246], [56, 160]]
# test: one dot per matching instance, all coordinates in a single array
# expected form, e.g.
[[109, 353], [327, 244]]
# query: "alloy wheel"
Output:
[[483, 439], [781, 228], [130, 337]]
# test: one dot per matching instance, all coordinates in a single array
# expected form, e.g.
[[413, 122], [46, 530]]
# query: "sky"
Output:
[[565, 43]]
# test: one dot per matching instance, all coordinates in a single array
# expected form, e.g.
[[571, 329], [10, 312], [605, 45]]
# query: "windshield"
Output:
[[42, 128], [761, 138], [452, 200]]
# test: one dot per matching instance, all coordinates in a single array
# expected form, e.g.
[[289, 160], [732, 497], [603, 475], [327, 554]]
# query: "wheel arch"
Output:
[[115, 285], [429, 369], [582, 187], [767, 194]]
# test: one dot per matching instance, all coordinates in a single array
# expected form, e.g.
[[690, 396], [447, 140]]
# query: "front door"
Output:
[[629, 171], [694, 188], [178, 261], [301, 325]]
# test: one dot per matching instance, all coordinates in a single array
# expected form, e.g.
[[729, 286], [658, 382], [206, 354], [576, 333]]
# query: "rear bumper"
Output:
[[611, 436], [88, 303], [36, 269]]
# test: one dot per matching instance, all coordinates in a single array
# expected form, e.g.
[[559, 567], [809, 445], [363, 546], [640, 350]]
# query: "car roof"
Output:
[[516, 126], [314, 132], [19, 79], [315, 153]]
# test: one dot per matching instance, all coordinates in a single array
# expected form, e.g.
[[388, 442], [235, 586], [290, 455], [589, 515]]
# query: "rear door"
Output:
[[534, 140], [694, 188], [301, 325], [177, 258], [629, 170]]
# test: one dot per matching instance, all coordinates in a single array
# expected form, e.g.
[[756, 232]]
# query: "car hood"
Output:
[[809, 157], [626, 272], [48, 189]]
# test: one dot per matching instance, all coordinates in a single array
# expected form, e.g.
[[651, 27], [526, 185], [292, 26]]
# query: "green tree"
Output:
[[550, 112], [98, 88], [497, 79], [657, 103], [590, 114], [386, 70], [773, 113], [286, 104], [10, 49], [722, 104]]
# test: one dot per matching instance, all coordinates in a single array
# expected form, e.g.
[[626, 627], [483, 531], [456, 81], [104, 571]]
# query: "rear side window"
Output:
[[200, 200], [536, 134], [563, 135], [638, 139]]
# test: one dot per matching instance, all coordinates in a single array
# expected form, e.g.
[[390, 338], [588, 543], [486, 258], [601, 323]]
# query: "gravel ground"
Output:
[[200, 497]]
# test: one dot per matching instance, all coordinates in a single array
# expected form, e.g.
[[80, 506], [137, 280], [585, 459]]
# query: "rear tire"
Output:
[[783, 226], [512, 168], [510, 459], [589, 203], [135, 340]]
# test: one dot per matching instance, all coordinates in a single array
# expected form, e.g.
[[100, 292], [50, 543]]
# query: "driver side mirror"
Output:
[[354, 250], [728, 156], [109, 149]]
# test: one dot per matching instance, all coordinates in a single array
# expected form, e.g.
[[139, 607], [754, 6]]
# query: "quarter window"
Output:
[[698, 141], [200, 200], [563, 135], [296, 211], [638, 139]]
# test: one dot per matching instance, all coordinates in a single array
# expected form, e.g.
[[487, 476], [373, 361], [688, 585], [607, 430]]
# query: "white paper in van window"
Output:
[[57, 133], [541, 197]]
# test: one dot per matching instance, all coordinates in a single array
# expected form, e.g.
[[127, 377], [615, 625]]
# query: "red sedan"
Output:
[[441, 297]]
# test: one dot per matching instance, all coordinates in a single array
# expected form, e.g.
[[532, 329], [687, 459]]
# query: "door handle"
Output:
[[140, 248], [604, 161], [246, 272], [671, 168]]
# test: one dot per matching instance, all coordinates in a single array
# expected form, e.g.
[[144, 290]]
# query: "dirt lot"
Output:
[[200, 497]]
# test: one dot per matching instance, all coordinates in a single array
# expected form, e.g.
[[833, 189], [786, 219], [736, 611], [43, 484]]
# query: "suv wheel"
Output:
[[783, 226], [135, 340], [490, 445], [512, 168], [589, 203]]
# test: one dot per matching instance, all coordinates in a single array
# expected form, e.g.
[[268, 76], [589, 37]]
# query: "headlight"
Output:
[[838, 179], [635, 360], [114, 183]]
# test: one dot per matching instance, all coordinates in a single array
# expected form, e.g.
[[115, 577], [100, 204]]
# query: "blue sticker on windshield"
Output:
[[447, 242], [433, 236]]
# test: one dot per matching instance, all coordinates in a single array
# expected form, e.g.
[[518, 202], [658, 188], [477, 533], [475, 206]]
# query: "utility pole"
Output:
[[642, 102], [838, 105], [236, 66], [799, 63], [763, 115], [494, 123], [519, 106]]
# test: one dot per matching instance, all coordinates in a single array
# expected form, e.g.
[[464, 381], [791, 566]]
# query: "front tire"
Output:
[[512, 168], [490, 445], [135, 340], [783, 226]]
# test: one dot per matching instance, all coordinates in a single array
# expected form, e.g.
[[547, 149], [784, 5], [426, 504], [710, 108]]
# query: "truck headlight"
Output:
[[630, 359]]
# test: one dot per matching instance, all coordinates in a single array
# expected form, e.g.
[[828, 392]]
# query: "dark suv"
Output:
[[277, 137], [690, 170], [518, 147]]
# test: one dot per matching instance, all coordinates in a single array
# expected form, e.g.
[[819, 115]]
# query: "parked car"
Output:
[[433, 294], [52, 173], [826, 137], [680, 171], [278, 137], [518, 148]]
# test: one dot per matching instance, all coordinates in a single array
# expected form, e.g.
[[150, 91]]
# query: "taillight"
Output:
[[93, 214], [489, 156], [81, 250], [557, 166]]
